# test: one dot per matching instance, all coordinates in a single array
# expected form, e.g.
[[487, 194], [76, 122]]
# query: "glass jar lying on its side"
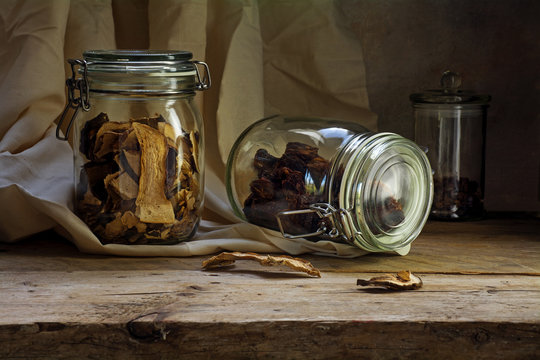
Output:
[[330, 179], [138, 144]]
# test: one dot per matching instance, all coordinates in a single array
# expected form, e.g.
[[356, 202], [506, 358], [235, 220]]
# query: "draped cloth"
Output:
[[290, 56]]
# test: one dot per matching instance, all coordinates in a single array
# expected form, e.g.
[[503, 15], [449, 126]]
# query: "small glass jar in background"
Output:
[[138, 144], [330, 179], [450, 124]]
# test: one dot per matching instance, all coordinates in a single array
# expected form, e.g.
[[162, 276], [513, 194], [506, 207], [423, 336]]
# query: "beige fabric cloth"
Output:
[[265, 57]]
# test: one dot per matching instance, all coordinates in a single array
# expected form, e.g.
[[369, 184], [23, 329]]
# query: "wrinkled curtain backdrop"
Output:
[[275, 56]]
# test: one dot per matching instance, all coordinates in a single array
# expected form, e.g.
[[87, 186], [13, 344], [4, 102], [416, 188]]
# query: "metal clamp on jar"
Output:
[[138, 144], [330, 179], [450, 123]]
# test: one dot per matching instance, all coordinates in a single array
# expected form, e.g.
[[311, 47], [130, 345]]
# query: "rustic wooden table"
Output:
[[480, 299]]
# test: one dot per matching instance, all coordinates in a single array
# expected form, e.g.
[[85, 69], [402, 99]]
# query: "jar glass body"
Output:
[[454, 136], [139, 155], [330, 179]]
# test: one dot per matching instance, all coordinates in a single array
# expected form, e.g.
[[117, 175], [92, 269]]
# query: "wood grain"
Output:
[[57, 303]]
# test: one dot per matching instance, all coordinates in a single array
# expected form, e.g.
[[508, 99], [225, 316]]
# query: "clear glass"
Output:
[[378, 186], [453, 136], [139, 155]]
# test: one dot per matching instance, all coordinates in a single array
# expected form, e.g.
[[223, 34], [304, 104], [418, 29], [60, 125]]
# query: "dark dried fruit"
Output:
[[88, 135], [456, 198], [283, 184], [295, 181]]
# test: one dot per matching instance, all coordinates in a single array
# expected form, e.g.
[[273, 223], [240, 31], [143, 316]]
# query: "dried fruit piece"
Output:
[[297, 180], [94, 173], [290, 182], [228, 258], [108, 138], [194, 139], [122, 185], [120, 157], [130, 161], [167, 130], [88, 135], [403, 280], [152, 121], [115, 228], [152, 204]]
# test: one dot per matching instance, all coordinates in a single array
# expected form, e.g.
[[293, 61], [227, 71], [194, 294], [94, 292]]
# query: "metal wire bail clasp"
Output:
[[203, 83], [323, 210], [75, 101]]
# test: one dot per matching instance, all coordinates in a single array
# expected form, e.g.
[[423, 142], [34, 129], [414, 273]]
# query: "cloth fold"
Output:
[[290, 56]]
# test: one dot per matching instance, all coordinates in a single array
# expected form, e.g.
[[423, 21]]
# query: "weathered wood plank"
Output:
[[476, 302], [500, 246], [496, 246], [272, 340], [236, 296]]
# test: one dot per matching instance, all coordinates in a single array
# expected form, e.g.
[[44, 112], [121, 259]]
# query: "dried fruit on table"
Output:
[[228, 258], [403, 280], [140, 184]]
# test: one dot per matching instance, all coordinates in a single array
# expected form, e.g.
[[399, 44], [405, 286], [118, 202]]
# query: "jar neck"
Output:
[[382, 185], [142, 85]]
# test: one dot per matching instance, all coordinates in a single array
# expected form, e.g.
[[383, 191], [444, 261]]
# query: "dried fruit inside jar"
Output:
[[327, 179], [457, 198], [140, 183], [297, 180]]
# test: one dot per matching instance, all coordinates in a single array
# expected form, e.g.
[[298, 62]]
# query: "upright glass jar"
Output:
[[450, 124], [330, 179], [138, 144]]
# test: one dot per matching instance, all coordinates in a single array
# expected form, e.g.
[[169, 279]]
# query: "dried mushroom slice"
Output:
[[167, 130], [152, 204], [128, 140], [138, 186], [130, 162], [130, 220], [403, 280], [95, 173], [228, 258], [171, 165], [114, 228], [194, 139], [90, 199], [190, 147], [122, 185], [88, 135], [108, 138], [152, 121]]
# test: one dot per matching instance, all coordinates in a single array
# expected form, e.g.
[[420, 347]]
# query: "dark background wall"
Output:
[[407, 44], [493, 44]]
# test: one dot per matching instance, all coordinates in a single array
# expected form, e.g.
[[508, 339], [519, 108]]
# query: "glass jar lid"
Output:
[[136, 73], [139, 61], [388, 190], [450, 93], [143, 72]]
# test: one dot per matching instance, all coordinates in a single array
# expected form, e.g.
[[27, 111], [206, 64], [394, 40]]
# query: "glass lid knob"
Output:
[[450, 81]]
